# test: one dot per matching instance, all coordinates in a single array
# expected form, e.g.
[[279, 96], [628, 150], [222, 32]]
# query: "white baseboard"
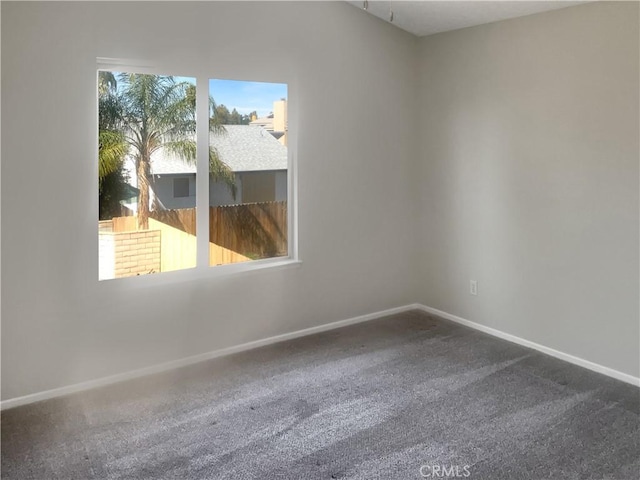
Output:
[[101, 382], [536, 346], [163, 367]]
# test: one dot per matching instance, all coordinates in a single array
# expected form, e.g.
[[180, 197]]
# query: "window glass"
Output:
[[147, 173], [248, 171], [180, 187]]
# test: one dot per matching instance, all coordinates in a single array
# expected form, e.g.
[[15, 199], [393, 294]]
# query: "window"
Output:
[[248, 218], [180, 187], [151, 149]]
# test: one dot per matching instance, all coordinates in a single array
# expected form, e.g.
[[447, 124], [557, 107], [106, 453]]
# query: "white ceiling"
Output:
[[426, 17]]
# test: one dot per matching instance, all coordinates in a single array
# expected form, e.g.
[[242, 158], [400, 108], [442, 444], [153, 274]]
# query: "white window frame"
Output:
[[202, 268]]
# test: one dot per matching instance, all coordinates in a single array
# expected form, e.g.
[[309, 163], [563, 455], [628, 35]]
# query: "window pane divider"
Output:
[[202, 172]]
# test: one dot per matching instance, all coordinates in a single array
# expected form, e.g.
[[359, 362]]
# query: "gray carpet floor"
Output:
[[388, 399]]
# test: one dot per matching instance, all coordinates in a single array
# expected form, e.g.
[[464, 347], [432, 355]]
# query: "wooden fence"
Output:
[[179, 249], [183, 219], [124, 224], [255, 230]]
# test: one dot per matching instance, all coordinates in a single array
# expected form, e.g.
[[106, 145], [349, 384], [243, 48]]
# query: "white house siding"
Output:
[[258, 187], [163, 189], [281, 186], [220, 193]]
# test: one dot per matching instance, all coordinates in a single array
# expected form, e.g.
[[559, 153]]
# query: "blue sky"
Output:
[[246, 97]]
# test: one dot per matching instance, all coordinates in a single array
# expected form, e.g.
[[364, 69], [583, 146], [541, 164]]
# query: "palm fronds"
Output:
[[156, 112], [111, 152]]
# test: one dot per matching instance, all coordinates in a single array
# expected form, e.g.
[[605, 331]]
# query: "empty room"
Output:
[[320, 240]]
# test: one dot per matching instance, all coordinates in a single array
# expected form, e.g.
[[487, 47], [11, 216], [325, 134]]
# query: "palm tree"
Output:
[[112, 148], [159, 113]]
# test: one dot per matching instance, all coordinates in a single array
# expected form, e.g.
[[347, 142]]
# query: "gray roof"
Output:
[[244, 148]]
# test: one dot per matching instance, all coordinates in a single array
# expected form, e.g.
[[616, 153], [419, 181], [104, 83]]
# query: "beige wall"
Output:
[[515, 163], [60, 325], [280, 119], [529, 178]]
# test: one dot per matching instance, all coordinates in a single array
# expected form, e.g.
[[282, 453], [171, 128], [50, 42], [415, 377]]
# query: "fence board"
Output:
[[183, 219], [124, 224], [255, 230]]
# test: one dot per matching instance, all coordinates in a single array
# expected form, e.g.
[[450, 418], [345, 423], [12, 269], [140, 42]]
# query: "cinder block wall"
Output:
[[136, 253]]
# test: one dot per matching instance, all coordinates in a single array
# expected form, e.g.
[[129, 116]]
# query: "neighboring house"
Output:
[[276, 123], [258, 159]]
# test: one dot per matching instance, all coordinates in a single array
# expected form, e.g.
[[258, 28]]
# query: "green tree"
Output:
[[221, 114], [247, 119], [112, 148], [235, 118], [159, 113]]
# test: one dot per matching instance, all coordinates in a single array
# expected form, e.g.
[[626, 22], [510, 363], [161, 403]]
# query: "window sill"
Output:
[[202, 273]]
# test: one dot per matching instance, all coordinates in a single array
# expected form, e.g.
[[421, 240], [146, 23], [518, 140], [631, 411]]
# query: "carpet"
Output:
[[404, 397]]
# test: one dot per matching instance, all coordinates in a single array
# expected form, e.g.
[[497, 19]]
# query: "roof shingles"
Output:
[[244, 148]]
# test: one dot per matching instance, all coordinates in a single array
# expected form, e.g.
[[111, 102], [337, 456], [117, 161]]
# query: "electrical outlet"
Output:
[[473, 287]]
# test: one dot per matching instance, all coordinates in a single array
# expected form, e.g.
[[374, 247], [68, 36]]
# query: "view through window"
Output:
[[148, 169], [247, 209]]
